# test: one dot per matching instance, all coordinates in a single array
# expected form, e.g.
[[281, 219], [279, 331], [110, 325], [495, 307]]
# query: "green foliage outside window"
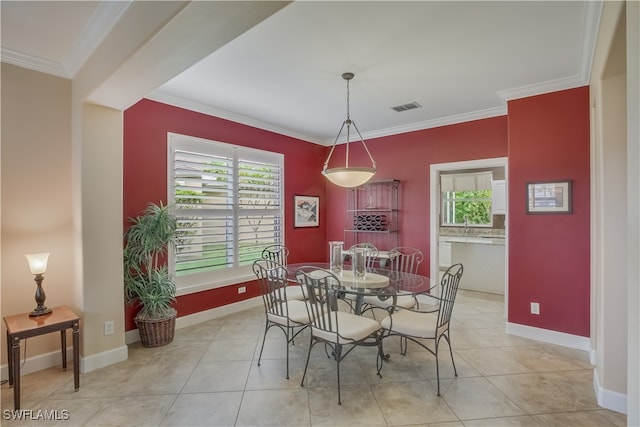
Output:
[[475, 206]]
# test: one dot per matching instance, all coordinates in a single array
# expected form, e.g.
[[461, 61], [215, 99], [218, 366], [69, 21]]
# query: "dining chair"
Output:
[[280, 253], [277, 253], [371, 253], [339, 330], [289, 315], [419, 325], [402, 259], [405, 259]]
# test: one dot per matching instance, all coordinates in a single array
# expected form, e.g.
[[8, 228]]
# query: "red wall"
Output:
[[549, 254], [145, 180], [407, 157], [545, 137]]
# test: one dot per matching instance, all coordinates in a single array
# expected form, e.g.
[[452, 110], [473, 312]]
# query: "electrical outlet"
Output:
[[242, 289], [108, 327], [535, 308]]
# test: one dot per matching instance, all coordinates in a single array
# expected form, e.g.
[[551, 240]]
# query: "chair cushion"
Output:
[[294, 292], [406, 301], [350, 326], [415, 324], [297, 311]]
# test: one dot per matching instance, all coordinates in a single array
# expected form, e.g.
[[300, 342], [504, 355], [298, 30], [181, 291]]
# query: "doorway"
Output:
[[434, 217]]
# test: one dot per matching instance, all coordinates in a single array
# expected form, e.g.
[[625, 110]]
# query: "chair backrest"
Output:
[[448, 291], [405, 259], [273, 285], [371, 253], [277, 253], [324, 290]]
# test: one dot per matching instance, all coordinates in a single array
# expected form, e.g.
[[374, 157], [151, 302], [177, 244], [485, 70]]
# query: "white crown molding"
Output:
[[104, 18], [177, 101], [434, 123], [590, 23], [542, 88], [34, 63]]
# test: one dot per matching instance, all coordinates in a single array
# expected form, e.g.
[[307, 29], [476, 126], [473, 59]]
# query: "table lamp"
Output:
[[38, 265]]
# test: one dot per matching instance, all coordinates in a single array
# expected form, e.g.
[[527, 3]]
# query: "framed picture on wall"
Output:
[[549, 197], [306, 212]]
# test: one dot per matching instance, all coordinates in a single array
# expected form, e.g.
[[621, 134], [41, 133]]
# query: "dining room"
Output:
[[109, 154]]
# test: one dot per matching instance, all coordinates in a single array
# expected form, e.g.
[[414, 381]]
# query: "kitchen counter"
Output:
[[481, 240], [483, 258]]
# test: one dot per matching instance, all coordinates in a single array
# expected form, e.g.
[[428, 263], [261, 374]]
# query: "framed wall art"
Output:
[[306, 212], [549, 197]]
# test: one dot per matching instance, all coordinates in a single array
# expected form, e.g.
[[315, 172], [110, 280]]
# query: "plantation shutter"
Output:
[[227, 200], [259, 206]]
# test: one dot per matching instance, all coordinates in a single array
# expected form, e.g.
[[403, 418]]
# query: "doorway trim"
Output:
[[434, 201]]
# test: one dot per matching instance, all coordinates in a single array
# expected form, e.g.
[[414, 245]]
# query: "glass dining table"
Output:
[[377, 282]]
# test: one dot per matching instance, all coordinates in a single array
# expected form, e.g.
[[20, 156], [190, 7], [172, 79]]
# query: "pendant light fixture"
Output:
[[348, 176]]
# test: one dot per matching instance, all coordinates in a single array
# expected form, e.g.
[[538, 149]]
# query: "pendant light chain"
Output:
[[348, 122], [347, 176]]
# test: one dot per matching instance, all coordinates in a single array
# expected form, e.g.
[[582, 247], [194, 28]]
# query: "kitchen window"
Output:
[[228, 201], [466, 199]]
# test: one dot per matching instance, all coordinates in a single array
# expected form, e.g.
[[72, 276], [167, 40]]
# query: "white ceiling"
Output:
[[459, 60]]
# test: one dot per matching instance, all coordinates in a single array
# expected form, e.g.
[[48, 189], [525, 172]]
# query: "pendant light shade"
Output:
[[348, 176]]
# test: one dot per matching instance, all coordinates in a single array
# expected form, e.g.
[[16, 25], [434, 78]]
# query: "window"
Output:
[[474, 206], [466, 199], [228, 201]]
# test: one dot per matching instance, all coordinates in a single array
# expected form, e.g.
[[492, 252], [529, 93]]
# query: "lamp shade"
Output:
[[349, 177], [38, 262]]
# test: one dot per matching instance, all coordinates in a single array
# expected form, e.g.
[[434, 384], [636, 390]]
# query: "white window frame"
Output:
[[186, 284], [463, 182]]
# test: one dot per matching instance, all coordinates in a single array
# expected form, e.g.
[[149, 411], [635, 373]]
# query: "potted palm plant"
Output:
[[147, 281]]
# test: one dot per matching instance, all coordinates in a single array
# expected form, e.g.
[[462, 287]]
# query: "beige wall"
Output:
[[615, 297], [62, 164], [609, 217], [633, 211], [100, 187], [36, 194], [43, 179]]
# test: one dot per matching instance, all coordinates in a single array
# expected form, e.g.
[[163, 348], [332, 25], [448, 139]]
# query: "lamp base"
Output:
[[40, 311]]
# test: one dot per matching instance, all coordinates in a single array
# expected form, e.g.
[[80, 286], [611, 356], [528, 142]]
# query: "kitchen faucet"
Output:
[[466, 224]]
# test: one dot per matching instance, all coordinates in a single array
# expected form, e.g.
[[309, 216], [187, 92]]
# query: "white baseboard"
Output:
[[106, 358], [606, 398], [552, 337], [100, 360], [202, 316], [40, 362], [609, 399], [54, 358]]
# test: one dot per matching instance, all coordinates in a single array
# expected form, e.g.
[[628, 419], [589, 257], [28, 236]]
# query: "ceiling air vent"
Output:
[[406, 107]]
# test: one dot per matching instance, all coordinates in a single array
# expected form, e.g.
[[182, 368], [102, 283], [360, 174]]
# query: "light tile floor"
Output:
[[209, 377]]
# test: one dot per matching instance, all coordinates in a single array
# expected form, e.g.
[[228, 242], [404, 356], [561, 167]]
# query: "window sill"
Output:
[[207, 286]]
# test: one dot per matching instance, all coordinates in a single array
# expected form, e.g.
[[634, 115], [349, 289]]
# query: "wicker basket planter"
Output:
[[156, 332]]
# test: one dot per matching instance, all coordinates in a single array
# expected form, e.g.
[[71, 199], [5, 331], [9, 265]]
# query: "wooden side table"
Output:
[[21, 326]]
